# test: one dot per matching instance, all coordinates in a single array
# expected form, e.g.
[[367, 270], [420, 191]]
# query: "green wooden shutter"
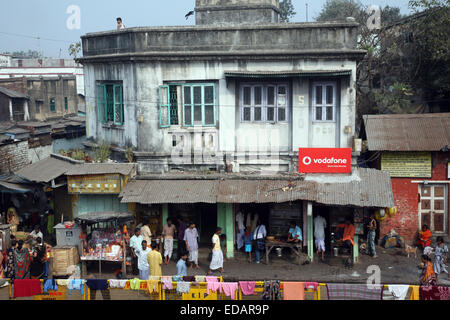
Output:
[[101, 103], [164, 107], [52, 105], [188, 114], [118, 104]]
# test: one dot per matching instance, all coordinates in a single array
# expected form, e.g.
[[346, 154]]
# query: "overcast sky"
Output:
[[47, 19]]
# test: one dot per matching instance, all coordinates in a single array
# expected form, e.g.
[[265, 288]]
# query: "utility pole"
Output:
[[306, 12]]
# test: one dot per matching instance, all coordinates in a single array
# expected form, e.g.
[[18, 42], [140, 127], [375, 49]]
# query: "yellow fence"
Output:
[[198, 291]]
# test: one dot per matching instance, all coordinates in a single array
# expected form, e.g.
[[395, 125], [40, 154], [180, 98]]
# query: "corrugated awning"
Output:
[[366, 188], [96, 217], [287, 74], [11, 183]]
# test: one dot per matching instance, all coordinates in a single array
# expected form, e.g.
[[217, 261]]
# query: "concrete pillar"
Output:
[[310, 233], [11, 116], [25, 110], [225, 218]]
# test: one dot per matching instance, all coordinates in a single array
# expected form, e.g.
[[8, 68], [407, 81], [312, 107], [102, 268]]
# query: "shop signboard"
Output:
[[407, 164], [325, 160]]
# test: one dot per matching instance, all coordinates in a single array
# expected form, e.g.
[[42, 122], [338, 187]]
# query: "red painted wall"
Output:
[[406, 221]]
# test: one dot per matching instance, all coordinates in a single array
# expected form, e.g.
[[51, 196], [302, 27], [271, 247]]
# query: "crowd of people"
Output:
[[147, 259], [21, 261]]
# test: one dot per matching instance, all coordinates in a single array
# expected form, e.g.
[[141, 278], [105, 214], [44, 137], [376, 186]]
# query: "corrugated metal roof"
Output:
[[288, 73], [48, 169], [170, 191], [407, 132], [370, 188], [13, 94], [101, 168]]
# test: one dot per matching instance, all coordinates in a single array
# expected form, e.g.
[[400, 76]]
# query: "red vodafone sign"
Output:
[[325, 160]]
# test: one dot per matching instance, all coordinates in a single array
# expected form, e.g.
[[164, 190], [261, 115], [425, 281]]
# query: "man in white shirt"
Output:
[[36, 233], [146, 232], [135, 243], [241, 227], [143, 265], [319, 234], [259, 235], [120, 25]]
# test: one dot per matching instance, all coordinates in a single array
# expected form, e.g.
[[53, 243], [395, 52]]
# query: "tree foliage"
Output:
[[287, 10], [407, 57]]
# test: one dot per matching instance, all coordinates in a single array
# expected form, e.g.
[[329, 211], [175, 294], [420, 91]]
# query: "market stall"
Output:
[[103, 239]]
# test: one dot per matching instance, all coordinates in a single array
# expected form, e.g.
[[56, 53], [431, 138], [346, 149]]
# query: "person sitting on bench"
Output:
[[349, 234], [295, 233]]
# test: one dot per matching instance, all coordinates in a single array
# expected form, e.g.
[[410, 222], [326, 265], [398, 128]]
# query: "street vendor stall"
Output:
[[102, 238], [295, 247]]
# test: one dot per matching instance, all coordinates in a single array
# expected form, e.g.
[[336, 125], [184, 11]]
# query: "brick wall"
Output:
[[13, 157], [406, 221]]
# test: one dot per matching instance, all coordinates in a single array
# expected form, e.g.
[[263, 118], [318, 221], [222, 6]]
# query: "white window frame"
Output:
[[264, 106], [324, 105]]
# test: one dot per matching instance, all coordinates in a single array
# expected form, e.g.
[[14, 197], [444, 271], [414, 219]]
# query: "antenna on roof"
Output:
[[306, 12]]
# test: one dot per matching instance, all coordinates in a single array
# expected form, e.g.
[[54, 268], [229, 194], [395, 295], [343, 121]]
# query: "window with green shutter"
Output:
[[52, 105], [110, 103], [199, 105]]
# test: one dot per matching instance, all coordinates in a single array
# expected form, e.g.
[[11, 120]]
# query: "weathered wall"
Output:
[[14, 157], [66, 144], [39, 153], [4, 108], [406, 197]]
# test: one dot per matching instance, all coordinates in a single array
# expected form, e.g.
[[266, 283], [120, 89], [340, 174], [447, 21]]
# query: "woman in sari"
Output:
[[428, 276], [13, 219], [424, 237], [37, 266], [22, 261], [10, 261]]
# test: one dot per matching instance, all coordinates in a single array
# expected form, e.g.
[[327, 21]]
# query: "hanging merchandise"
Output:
[[380, 215], [392, 211]]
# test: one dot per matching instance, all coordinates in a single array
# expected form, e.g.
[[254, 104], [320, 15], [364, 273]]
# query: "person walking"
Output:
[[319, 234], [440, 257], [190, 237], [181, 265], [217, 254], [181, 249], [142, 255], [259, 236], [248, 237], [146, 232], [168, 233], [155, 260], [372, 227]]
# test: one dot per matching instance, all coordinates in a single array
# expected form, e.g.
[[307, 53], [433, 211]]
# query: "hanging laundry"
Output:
[[230, 288], [189, 278], [248, 287], [211, 279], [97, 284], [50, 284], [399, 292], [434, 293], [340, 291], [213, 286], [183, 287], [135, 284], [27, 288], [154, 278], [294, 290], [76, 284], [271, 290], [311, 285], [115, 283], [200, 278], [152, 286], [177, 278], [63, 282], [167, 283], [415, 294]]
